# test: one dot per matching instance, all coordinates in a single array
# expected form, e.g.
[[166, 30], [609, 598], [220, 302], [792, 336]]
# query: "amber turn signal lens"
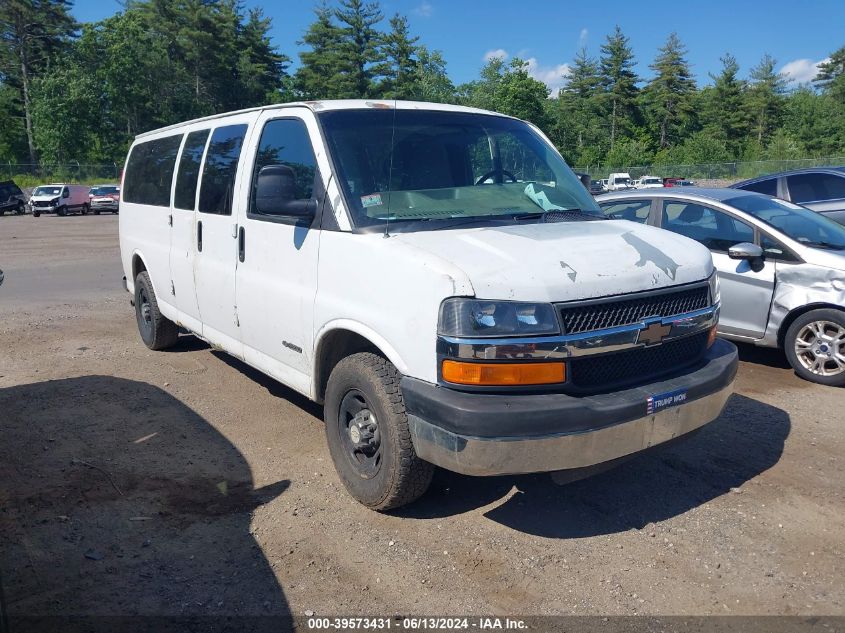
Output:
[[711, 337], [503, 374]]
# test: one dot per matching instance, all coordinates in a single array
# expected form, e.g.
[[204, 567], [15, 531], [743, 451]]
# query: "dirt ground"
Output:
[[184, 482]]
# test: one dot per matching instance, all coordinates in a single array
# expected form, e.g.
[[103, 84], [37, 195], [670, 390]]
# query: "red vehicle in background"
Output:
[[104, 198], [678, 182]]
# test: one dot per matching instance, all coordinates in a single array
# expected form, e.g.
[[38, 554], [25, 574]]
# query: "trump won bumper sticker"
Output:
[[665, 400]]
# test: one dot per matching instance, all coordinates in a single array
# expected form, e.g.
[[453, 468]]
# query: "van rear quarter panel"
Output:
[[144, 231]]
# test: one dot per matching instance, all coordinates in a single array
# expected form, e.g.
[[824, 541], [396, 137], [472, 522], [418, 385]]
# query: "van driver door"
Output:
[[277, 268]]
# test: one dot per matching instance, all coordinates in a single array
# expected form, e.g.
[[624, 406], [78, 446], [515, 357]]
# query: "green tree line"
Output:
[[81, 92]]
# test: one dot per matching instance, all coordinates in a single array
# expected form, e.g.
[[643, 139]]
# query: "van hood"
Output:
[[566, 261]]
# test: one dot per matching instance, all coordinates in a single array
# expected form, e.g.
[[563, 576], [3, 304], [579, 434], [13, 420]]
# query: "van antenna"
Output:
[[390, 172]]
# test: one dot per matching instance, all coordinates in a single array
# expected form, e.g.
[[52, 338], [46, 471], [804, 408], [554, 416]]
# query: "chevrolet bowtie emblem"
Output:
[[654, 333]]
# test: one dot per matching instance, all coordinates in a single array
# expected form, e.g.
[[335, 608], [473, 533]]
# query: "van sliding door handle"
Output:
[[241, 244], [199, 236]]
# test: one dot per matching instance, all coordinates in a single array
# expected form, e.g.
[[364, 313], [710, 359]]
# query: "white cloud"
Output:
[[802, 71], [501, 53], [424, 10], [582, 38], [553, 76]]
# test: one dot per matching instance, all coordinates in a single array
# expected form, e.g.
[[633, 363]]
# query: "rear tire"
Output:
[[815, 346], [21, 209], [85, 208], [156, 330], [363, 392]]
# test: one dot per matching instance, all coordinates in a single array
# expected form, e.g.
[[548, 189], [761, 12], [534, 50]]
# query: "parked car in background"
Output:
[[596, 187], [468, 307], [781, 268], [12, 199], [648, 182], [604, 184], [104, 198], [61, 199], [821, 189], [619, 182], [678, 182]]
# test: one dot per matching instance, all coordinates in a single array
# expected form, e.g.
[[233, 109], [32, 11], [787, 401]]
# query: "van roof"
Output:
[[333, 104]]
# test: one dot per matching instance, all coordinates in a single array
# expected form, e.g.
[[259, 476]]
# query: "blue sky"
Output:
[[548, 34]]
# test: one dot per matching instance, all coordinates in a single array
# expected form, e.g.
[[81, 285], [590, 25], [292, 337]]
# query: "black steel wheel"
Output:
[[157, 331], [368, 435]]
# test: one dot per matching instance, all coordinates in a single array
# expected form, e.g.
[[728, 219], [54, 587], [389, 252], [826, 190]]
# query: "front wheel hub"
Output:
[[360, 434]]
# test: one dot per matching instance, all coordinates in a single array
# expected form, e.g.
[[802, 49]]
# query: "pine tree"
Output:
[[831, 77], [619, 83], [669, 94], [399, 69], [578, 106], [261, 68], [32, 33], [764, 99], [360, 47], [722, 111], [318, 74]]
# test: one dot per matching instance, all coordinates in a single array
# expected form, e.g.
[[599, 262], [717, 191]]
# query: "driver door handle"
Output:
[[241, 244], [199, 236]]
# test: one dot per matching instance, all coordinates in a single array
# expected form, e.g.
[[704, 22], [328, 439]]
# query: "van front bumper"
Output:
[[499, 434]]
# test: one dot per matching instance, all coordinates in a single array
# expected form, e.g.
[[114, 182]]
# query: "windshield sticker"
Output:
[[372, 200], [540, 199]]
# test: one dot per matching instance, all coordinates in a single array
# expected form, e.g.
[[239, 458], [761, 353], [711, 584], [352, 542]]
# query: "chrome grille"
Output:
[[584, 317]]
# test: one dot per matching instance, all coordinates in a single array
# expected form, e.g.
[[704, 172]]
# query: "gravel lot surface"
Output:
[[184, 482]]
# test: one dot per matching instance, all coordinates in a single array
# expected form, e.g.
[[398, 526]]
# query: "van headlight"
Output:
[[463, 317], [715, 297]]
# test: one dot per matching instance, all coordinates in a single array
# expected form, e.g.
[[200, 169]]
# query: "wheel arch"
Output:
[[789, 319], [336, 341]]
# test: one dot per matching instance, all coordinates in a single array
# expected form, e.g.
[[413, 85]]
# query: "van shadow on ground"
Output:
[[745, 441], [116, 499]]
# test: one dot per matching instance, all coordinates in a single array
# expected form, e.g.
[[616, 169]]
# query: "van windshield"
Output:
[[104, 191], [47, 191], [409, 166]]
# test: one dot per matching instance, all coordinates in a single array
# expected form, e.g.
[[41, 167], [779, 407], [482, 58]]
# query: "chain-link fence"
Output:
[[31, 175], [714, 171]]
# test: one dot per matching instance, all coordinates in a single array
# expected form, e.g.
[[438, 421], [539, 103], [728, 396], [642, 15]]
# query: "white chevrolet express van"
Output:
[[435, 276], [60, 199]]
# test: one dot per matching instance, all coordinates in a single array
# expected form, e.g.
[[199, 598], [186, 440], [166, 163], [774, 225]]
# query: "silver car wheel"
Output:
[[820, 348]]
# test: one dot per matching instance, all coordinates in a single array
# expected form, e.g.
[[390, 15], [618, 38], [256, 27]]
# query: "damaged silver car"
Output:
[[781, 268]]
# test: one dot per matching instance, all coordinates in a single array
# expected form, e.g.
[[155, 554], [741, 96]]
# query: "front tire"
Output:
[[36, 214], [156, 330], [62, 211], [368, 435], [815, 346]]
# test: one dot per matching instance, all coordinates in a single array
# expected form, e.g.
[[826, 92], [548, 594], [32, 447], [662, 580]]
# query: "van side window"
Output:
[[189, 170], [149, 171], [286, 142], [220, 169]]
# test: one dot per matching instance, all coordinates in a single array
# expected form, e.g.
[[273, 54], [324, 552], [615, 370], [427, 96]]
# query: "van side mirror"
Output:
[[275, 191], [745, 250]]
